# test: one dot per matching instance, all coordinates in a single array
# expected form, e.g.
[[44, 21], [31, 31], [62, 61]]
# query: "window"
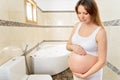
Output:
[[31, 11]]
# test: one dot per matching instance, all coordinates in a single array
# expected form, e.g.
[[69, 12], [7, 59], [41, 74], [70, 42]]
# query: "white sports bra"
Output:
[[88, 43]]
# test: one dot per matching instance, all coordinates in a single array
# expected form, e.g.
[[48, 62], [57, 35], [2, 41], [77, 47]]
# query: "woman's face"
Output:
[[83, 15]]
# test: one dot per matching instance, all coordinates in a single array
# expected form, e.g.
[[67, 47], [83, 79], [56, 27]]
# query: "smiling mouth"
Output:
[[82, 20]]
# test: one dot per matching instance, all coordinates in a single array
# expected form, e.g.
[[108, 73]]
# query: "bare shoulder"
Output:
[[101, 34], [75, 25], [102, 31], [73, 30]]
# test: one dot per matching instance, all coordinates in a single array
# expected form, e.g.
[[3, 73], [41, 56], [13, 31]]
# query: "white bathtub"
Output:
[[50, 59]]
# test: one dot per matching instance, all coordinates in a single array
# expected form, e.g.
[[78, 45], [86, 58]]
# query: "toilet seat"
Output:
[[37, 77]]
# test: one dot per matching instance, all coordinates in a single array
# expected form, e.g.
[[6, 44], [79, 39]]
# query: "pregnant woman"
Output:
[[87, 43]]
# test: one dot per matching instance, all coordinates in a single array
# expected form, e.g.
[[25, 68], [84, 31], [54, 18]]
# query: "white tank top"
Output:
[[88, 43]]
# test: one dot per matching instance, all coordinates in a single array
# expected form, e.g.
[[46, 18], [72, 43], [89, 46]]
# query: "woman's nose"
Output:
[[82, 16]]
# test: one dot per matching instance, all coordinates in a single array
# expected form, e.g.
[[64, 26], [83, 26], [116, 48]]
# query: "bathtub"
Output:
[[50, 59]]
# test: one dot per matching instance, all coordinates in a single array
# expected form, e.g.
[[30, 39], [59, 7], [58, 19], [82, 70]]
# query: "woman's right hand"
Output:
[[78, 49]]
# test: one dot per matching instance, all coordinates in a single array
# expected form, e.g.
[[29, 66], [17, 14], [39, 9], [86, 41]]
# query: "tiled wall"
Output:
[[12, 10], [60, 18]]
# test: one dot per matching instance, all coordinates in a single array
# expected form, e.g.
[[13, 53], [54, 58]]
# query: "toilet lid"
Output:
[[39, 77]]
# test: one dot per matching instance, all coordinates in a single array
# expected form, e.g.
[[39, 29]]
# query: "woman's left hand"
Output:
[[79, 75]]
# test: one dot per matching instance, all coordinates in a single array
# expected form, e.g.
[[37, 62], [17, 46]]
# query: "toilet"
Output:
[[15, 69]]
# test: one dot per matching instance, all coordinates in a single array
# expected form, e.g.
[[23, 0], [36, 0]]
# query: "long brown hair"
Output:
[[92, 8]]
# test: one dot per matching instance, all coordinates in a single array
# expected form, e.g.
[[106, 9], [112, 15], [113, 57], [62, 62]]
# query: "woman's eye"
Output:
[[85, 13], [79, 13]]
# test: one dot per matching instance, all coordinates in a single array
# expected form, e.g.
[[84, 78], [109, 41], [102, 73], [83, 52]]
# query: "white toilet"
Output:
[[15, 69]]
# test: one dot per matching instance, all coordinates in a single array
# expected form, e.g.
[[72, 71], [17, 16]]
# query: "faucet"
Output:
[[26, 62], [37, 46], [26, 46]]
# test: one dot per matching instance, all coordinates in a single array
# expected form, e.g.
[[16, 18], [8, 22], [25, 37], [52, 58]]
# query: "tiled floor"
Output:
[[65, 75], [108, 74]]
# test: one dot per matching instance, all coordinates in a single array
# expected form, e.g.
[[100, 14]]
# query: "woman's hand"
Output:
[[79, 75], [78, 49]]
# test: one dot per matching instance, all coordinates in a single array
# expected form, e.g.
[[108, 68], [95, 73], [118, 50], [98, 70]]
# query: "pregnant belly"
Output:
[[81, 64]]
